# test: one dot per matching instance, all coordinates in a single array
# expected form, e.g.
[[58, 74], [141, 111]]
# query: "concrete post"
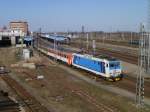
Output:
[[13, 40]]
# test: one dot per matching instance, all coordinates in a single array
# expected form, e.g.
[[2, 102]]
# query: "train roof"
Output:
[[100, 57], [55, 37], [109, 58], [62, 49]]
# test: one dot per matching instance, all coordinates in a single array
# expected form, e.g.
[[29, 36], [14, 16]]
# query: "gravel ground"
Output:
[[66, 90]]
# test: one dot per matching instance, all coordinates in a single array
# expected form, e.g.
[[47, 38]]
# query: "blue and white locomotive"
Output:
[[107, 67]]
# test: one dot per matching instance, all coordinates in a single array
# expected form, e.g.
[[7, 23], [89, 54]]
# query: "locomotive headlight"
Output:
[[108, 75]]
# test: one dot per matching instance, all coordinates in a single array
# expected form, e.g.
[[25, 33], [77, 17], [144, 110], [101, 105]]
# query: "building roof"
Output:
[[18, 22]]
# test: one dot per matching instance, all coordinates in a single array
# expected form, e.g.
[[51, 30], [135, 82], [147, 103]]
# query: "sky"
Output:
[[70, 15]]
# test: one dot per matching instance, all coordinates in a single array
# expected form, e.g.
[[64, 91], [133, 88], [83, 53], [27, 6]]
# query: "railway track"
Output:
[[25, 99], [77, 91], [99, 105], [74, 89], [6, 104], [91, 99], [125, 57], [127, 83]]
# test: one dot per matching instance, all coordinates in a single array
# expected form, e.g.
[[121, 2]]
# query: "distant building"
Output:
[[19, 26]]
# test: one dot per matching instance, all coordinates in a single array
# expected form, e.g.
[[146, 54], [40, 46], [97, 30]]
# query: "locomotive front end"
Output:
[[115, 70]]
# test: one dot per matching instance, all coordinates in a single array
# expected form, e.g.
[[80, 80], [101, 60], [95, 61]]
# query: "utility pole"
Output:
[[87, 42], [142, 66], [38, 37], [104, 36], [122, 36], [94, 47], [131, 41], [82, 38], [144, 60], [82, 29], [22, 38]]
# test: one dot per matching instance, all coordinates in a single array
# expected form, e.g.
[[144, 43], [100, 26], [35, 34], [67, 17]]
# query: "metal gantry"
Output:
[[143, 60], [142, 65], [148, 39]]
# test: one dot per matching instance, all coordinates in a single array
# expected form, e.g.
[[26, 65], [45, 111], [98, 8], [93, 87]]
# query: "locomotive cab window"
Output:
[[114, 65]]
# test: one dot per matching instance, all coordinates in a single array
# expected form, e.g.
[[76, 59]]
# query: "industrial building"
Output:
[[13, 35], [19, 26]]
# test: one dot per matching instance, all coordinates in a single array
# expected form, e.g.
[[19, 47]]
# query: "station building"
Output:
[[19, 26], [17, 30]]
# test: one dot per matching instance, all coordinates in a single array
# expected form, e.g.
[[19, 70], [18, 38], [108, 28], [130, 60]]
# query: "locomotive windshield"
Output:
[[114, 65]]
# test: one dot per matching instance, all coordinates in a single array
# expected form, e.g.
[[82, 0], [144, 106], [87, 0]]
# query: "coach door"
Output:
[[103, 67], [107, 68], [69, 59]]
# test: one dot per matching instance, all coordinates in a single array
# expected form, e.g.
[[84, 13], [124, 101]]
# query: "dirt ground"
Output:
[[61, 91]]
